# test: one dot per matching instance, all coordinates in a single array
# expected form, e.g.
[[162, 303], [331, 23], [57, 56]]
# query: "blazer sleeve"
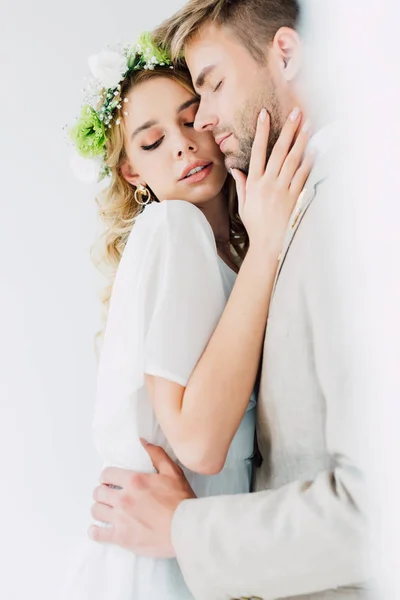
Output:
[[308, 536]]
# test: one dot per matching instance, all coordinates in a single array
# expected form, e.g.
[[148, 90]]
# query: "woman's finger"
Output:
[[302, 174], [240, 180], [258, 156], [294, 158], [283, 144]]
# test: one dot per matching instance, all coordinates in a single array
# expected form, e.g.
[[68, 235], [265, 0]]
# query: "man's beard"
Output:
[[246, 128]]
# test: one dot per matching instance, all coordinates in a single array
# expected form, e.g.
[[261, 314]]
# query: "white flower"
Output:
[[108, 68], [86, 170]]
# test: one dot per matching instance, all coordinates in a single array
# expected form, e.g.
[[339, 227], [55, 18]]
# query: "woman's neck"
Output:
[[216, 212]]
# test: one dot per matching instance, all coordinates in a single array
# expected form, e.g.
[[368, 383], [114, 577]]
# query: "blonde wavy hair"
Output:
[[117, 205]]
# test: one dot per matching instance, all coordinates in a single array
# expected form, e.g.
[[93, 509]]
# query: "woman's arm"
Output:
[[200, 420]]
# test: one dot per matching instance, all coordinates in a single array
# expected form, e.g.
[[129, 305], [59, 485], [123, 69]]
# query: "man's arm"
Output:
[[308, 536], [301, 539]]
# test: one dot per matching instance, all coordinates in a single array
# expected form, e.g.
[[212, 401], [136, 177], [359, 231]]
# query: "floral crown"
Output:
[[103, 102]]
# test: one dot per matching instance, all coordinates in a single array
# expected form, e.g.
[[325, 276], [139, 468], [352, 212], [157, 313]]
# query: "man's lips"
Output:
[[221, 139]]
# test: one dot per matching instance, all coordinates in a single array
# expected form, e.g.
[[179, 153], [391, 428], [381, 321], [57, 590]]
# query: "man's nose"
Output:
[[205, 120]]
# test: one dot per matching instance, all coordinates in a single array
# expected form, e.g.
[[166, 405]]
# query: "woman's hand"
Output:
[[267, 196]]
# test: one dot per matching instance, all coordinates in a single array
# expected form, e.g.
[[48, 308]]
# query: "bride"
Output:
[[176, 235]]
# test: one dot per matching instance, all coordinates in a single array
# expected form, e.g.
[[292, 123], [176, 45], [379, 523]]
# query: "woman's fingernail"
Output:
[[144, 442], [294, 115], [263, 115], [306, 127]]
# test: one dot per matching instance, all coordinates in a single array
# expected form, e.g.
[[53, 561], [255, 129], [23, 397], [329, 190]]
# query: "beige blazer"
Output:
[[301, 534]]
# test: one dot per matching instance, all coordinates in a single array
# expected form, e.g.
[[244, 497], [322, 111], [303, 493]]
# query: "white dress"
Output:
[[168, 296]]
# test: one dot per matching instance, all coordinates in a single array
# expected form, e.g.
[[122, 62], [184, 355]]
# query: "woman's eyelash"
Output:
[[153, 146], [158, 142], [218, 86]]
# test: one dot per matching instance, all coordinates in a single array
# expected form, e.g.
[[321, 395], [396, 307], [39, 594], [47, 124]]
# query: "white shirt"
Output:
[[169, 293], [168, 296]]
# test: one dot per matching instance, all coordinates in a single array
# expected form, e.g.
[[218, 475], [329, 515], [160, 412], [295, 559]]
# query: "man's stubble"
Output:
[[246, 122]]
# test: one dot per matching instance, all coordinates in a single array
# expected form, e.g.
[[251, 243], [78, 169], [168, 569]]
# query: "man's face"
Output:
[[233, 88]]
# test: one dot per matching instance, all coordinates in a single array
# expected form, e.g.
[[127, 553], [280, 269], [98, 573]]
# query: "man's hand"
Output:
[[140, 511]]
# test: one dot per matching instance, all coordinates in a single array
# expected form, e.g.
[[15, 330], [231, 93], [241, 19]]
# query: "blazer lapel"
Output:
[[318, 174]]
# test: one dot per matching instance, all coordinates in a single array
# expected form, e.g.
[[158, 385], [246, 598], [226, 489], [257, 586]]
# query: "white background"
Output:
[[49, 288], [49, 306]]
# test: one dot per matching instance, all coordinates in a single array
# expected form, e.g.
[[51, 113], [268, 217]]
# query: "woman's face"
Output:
[[163, 148]]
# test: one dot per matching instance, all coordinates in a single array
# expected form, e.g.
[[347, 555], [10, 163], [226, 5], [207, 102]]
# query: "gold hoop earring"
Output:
[[142, 192]]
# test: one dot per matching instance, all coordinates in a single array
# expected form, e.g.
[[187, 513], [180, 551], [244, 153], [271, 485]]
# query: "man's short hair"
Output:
[[254, 22]]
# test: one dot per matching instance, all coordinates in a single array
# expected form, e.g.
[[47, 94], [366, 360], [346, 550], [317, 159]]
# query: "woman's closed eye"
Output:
[[218, 86], [153, 146]]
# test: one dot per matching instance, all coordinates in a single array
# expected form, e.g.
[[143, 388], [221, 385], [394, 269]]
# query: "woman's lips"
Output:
[[200, 175]]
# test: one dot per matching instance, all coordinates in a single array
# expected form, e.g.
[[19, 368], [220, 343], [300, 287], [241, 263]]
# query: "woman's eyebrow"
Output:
[[188, 103], [146, 125], [149, 124]]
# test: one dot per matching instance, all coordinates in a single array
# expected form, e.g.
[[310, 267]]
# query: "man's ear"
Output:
[[287, 48], [129, 174]]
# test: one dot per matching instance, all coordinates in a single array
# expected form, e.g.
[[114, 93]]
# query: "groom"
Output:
[[300, 535]]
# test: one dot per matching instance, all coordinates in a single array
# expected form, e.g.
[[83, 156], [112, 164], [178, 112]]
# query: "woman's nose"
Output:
[[189, 147], [185, 144]]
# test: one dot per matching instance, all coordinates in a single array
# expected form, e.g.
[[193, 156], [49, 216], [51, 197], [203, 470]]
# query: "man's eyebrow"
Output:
[[202, 76], [146, 125], [149, 124]]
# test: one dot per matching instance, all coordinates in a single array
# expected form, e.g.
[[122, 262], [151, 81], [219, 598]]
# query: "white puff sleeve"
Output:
[[167, 299], [190, 294]]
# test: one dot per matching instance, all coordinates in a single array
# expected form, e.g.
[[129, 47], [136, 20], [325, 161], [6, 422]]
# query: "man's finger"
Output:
[[160, 459], [115, 476], [101, 534], [105, 495], [258, 156], [102, 512]]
